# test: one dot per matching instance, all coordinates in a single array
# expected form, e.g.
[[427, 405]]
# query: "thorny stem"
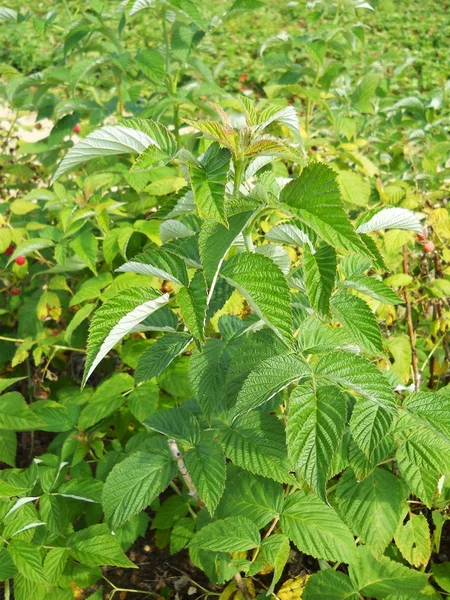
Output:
[[175, 451], [411, 332], [242, 587]]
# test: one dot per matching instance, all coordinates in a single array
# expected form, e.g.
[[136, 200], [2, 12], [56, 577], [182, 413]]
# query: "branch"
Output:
[[412, 335]]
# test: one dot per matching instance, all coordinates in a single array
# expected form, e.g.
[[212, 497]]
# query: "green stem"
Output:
[[166, 43], [7, 590], [239, 167]]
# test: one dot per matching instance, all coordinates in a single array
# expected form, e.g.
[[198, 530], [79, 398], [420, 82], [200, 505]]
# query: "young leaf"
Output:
[[160, 355], [320, 273], [264, 287], [192, 301], [314, 198], [315, 528], [316, 422], [355, 315], [206, 465], [158, 263], [133, 484], [115, 319], [234, 534], [208, 179], [372, 508], [95, 545]]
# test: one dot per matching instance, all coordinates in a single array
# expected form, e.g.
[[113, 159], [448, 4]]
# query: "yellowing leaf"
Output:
[[48, 307], [292, 589]]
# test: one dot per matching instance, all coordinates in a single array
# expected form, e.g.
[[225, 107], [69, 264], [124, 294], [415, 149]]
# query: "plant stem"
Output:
[[411, 333], [239, 167], [184, 471], [242, 587], [7, 589], [166, 42]]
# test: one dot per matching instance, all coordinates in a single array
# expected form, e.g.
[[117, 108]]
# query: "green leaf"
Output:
[[264, 287], [275, 551], [8, 447], [354, 188], [315, 528], [358, 374], [152, 65], [330, 585], [234, 534], [430, 410], [261, 345], [178, 423], [314, 198], [6, 383], [206, 465], [207, 372], [115, 319], [372, 508], [54, 564], [214, 242], [391, 217], [441, 573], [316, 422], [269, 378], [355, 315], [208, 179], [380, 577], [160, 355], [256, 442], [182, 533], [320, 274], [28, 560], [192, 301], [132, 136], [257, 498], [364, 93], [133, 484], [81, 314], [7, 567], [95, 545], [15, 414], [423, 458], [372, 287], [29, 246], [413, 540], [158, 263]]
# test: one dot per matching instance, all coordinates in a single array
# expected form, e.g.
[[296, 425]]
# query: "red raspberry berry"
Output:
[[428, 246], [9, 250], [77, 128], [15, 291], [20, 260]]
